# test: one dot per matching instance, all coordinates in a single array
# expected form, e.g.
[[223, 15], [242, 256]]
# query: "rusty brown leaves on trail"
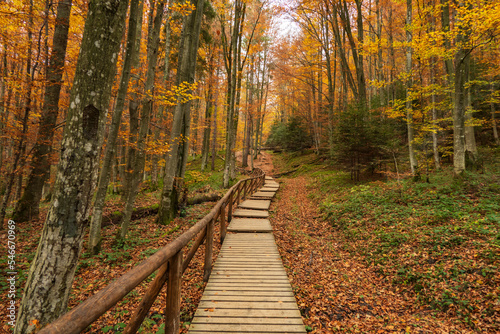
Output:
[[336, 291]]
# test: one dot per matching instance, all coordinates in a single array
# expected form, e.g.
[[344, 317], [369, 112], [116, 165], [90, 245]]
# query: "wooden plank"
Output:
[[267, 189], [242, 294], [263, 194], [250, 213], [249, 225], [247, 328], [253, 313], [248, 273], [248, 320], [258, 283], [254, 204], [220, 298]]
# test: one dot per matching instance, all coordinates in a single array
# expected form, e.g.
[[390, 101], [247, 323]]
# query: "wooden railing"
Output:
[[170, 263]]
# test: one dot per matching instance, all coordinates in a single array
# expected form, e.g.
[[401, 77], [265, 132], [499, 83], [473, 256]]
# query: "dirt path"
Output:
[[264, 161]]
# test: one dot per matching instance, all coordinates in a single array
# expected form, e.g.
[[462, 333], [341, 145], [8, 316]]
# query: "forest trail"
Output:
[[249, 289], [264, 161]]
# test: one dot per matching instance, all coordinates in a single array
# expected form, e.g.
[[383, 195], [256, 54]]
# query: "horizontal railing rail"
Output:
[[170, 263]]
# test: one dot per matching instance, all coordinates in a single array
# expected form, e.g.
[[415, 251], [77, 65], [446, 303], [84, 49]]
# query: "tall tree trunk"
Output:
[[409, 84], [133, 110], [21, 147], [3, 119], [462, 58], [52, 271], [27, 207], [493, 112], [214, 138], [380, 61], [102, 187], [331, 85], [340, 42], [147, 108], [248, 115], [232, 115], [470, 138], [435, 148], [206, 129], [179, 142]]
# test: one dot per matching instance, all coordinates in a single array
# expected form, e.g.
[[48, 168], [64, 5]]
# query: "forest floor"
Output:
[[390, 256], [335, 290]]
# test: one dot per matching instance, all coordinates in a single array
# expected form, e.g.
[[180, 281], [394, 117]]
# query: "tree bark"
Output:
[[214, 138], [27, 207], [470, 138], [21, 147], [52, 271], [435, 148], [493, 112], [409, 84], [179, 138], [102, 187], [209, 106], [147, 108], [462, 57], [3, 119], [232, 115]]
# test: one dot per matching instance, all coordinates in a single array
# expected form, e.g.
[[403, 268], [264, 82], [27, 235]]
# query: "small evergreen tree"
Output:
[[292, 136]]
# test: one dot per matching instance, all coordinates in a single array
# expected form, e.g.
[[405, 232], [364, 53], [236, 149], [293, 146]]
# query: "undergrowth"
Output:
[[438, 240]]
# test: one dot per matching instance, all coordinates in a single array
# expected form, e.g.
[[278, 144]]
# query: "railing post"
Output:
[[230, 208], [239, 193], [173, 308], [245, 190], [209, 249], [223, 227]]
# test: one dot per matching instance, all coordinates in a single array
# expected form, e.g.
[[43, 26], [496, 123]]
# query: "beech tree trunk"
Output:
[[27, 207], [102, 187], [179, 137], [462, 58], [209, 106], [214, 138], [470, 138], [232, 115], [3, 119], [147, 108], [493, 118], [52, 271], [435, 148], [409, 84], [21, 146], [133, 110]]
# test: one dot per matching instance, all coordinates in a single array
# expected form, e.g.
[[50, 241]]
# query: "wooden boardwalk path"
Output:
[[248, 290]]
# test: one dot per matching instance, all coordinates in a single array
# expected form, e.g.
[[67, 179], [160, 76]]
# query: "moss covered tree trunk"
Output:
[[52, 271]]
